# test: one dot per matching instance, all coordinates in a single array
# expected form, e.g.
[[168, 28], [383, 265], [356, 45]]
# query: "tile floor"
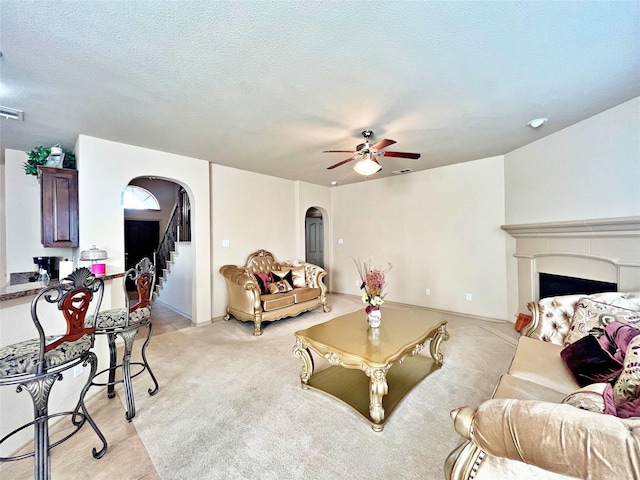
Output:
[[126, 457]]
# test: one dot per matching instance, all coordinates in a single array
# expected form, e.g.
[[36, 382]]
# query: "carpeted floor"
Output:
[[231, 406]]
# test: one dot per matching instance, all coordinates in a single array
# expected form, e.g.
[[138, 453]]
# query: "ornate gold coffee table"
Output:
[[347, 341]]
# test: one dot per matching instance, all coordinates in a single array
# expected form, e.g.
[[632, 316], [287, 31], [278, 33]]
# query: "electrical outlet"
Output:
[[427, 292], [358, 282], [469, 297], [77, 370]]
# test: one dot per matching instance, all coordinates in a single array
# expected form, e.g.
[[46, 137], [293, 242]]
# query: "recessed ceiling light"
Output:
[[537, 122], [334, 183]]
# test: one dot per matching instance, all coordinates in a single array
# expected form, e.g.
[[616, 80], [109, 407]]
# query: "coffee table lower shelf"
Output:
[[351, 386]]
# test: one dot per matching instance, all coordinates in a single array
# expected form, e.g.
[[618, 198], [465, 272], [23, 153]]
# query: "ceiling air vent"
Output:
[[10, 113], [400, 172]]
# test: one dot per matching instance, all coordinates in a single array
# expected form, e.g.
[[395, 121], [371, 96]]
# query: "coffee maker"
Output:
[[46, 269]]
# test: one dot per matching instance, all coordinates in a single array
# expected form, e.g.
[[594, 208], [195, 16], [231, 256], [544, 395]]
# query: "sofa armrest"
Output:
[[243, 294], [555, 437]]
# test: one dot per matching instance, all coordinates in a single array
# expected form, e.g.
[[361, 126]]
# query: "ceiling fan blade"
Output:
[[384, 143], [337, 151], [340, 163], [414, 156]]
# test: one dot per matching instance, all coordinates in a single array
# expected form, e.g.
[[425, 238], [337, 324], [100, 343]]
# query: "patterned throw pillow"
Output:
[[282, 275], [591, 398], [627, 386], [592, 317], [263, 279], [280, 287]]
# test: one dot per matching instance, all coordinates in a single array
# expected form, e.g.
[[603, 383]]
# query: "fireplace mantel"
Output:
[[621, 226], [600, 249]]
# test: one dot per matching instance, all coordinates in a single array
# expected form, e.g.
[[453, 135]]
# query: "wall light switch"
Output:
[[469, 297], [340, 241], [225, 243], [427, 292]]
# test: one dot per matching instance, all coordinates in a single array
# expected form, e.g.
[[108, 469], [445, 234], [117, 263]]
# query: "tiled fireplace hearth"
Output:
[[606, 250]]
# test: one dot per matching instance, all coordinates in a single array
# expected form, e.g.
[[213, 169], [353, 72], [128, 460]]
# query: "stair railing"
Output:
[[178, 230]]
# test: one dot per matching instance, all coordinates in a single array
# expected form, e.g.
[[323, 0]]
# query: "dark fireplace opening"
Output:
[[553, 285]]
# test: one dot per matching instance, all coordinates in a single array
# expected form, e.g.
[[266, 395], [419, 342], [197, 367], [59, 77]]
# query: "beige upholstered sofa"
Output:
[[525, 431], [249, 300]]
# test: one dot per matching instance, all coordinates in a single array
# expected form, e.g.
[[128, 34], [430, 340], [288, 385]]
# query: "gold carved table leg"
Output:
[[437, 339], [300, 351], [378, 389]]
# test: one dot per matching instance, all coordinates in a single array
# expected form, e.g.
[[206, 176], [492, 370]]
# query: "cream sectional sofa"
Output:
[[526, 432], [247, 302]]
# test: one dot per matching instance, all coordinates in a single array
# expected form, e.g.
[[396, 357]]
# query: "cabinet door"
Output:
[[59, 202]]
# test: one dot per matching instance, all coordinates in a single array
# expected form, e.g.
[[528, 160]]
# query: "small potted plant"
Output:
[[39, 155]]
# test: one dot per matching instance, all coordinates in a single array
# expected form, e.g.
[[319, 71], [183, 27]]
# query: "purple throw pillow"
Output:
[[616, 338], [589, 362], [263, 279]]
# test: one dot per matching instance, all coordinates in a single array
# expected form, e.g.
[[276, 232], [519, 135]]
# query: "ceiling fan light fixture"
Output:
[[366, 166]]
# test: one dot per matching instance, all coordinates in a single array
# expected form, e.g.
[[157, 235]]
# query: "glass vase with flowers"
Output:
[[373, 284]]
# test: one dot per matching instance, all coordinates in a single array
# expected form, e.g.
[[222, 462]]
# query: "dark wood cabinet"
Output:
[[59, 207]]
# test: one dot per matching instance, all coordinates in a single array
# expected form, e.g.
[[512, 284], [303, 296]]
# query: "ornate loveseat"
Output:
[[531, 427], [266, 290]]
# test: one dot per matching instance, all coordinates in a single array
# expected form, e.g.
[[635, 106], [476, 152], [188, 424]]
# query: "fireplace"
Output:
[[550, 285], [605, 251]]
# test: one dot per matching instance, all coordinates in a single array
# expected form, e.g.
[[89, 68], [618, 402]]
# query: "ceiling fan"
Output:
[[366, 155]]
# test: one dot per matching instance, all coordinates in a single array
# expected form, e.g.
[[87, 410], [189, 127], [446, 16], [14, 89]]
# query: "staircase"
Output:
[[173, 259]]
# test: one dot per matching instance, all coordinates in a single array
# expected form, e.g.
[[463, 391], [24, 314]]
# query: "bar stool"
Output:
[[35, 365], [125, 322]]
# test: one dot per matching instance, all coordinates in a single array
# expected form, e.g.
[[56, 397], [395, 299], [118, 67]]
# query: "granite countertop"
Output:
[[9, 292]]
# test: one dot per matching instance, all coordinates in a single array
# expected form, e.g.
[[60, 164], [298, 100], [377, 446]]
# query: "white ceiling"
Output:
[[266, 86]]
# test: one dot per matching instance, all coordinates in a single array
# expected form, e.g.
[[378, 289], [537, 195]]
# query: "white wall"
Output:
[[590, 170], [106, 168], [251, 211], [440, 229]]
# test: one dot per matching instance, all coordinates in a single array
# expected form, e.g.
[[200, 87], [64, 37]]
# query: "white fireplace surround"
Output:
[[607, 250]]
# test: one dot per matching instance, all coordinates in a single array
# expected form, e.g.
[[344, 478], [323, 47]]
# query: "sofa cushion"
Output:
[[276, 300], [540, 362], [589, 362], [521, 389], [279, 287], [304, 294], [627, 386], [592, 316], [263, 279]]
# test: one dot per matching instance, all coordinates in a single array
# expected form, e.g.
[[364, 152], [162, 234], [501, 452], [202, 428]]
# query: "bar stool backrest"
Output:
[[73, 296], [144, 277]]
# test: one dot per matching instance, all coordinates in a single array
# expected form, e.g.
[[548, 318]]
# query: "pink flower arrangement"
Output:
[[373, 282]]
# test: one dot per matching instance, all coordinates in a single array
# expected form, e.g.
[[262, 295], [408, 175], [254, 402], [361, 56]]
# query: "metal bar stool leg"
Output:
[[128, 336], [152, 391], [113, 365], [79, 418]]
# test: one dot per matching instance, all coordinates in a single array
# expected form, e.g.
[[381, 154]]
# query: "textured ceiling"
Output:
[[266, 86]]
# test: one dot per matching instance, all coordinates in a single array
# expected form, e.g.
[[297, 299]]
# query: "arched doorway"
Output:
[[314, 237], [162, 233]]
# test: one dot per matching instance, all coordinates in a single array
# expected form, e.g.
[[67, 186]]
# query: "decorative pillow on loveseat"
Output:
[[279, 275], [589, 362], [263, 279], [280, 287], [592, 316]]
